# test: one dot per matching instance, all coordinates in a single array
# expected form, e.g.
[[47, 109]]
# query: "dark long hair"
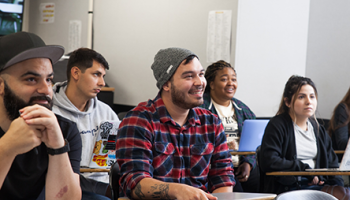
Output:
[[211, 72], [292, 88], [332, 124]]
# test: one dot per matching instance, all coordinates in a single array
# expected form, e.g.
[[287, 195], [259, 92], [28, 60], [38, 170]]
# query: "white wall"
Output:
[[328, 45], [328, 54], [58, 32], [270, 47], [25, 25], [130, 33]]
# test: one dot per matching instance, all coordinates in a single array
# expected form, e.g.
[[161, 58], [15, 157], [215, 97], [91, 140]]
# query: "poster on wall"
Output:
[[74, 35], [219, 35], [47, 13]]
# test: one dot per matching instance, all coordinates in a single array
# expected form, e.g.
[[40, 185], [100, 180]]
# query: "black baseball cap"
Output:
[[20, 46]]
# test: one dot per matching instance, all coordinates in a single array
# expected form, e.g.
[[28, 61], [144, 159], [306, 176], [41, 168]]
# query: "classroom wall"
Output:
[[130, 33], [25, 25], [327, 44], [271, 46], [328, 60], [268, 45], [58, 31]]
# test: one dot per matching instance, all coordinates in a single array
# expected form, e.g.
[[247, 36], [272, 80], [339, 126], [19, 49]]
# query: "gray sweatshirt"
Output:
[[88, 122]]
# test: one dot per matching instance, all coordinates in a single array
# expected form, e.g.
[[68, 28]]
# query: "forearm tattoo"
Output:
[[138, 191], [160, 191]]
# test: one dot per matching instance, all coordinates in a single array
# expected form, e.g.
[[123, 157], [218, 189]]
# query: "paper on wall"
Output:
[[219, 35]]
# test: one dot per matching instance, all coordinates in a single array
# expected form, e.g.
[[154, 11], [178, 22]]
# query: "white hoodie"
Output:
[[88, 122]]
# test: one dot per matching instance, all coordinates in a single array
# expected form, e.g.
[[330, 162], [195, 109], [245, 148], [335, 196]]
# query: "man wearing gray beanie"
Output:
[[168, 148]]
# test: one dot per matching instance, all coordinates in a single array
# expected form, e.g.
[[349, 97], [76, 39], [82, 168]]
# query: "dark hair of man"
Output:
[[292, 88], [83, 58], [332, 123], [189, 59], [211, 72]]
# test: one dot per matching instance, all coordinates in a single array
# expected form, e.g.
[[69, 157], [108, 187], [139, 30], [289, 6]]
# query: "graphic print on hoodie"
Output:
[[87, 122]]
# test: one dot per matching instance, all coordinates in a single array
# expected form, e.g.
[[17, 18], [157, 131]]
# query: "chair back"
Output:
[[114, 176], [323, 122], [305, 195], [261, 174], [121, 115], [257, 153]]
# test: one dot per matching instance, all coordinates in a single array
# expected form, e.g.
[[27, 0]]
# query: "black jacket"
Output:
[[278, 153], [340, 136]]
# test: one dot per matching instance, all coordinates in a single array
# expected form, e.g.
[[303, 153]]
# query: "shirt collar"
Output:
[[164, 116], [233, 102]]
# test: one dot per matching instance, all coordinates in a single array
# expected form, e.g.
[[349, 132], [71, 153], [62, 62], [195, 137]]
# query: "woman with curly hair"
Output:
[[218, 98]]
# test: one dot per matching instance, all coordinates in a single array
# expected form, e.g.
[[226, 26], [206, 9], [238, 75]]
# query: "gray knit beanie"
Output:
[[166, 62]]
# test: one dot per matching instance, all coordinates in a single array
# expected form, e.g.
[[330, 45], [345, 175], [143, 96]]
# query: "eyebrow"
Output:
[[300, 93], [98, 72], [35, 74], [227, 75]]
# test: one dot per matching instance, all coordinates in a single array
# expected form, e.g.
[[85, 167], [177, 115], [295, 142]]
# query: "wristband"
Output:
[[61, 150]]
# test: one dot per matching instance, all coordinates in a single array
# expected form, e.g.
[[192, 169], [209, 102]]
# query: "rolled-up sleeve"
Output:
[[152, 145], [133, 151]]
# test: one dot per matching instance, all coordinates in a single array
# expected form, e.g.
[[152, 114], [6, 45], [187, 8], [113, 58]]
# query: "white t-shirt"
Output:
[[306, 144], [227, 116]]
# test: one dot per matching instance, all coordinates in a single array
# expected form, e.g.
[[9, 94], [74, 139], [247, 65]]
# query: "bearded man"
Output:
[[168, 148], [39, 151]]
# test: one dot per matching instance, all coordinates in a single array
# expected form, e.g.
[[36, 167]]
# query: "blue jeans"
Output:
[[93, 196], [90, 185], [41, 195], [304, 185]]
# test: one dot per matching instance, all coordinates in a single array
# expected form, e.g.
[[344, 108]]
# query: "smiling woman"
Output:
[[218, 98]]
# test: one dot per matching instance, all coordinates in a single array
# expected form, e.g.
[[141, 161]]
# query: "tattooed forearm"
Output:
[[160, 191], [138, 191], [62, 192]]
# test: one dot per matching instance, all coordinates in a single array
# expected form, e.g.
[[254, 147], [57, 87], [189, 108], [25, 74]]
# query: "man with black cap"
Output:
[[168, 149], [39, 151]]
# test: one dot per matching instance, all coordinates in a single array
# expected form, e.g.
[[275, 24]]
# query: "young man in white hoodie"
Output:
[[76, 99]]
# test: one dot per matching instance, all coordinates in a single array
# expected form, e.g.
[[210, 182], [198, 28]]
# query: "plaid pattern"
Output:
[[242, 113], [151, 144]]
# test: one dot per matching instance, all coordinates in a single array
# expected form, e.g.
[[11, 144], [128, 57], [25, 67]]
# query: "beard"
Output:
[[179, 98], [13, 103]]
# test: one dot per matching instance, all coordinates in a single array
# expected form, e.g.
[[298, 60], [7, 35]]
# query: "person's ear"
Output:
[[211, 84], [75, 73], [287, 102], [166, 87], [2, 86]]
